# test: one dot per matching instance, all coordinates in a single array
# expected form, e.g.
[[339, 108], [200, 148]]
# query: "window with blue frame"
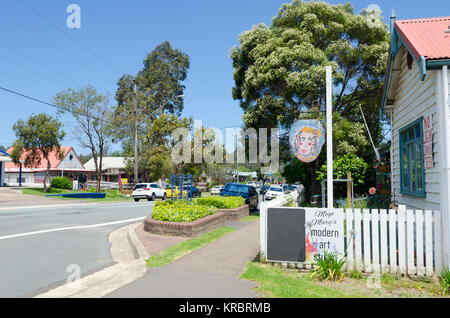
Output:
[[412, 173]]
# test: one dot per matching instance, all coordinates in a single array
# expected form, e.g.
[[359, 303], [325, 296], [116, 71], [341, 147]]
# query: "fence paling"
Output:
[[419, 245], [383, 241], [375, 242], [366, 231], [350, 240], [393, 242], [429, 243], [401, 240], [410, 242], [358, 240]]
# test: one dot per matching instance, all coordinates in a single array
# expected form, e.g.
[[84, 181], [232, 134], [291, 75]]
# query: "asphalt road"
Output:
[[36, 246]]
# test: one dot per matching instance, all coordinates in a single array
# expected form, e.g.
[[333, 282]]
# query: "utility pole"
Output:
[[136, 172], [237, 161]]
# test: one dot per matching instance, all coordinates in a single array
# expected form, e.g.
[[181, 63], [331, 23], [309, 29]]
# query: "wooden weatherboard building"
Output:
[[70, 166], [416, 102]]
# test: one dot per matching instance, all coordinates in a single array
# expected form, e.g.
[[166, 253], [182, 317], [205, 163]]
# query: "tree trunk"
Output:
[[99, 171], [46, 189]]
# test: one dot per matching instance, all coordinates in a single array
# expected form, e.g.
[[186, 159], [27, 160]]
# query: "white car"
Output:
[[274, 192], [216, 189], [149, 191]]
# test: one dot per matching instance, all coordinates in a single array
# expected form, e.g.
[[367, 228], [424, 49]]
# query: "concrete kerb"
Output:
[[139, 250], [129, 253]]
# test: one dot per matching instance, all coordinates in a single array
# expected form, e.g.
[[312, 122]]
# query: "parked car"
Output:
[[287, 188], [274, 192], [149, 191], [243, 190], [176, 191], [216, 190], [191, 191]]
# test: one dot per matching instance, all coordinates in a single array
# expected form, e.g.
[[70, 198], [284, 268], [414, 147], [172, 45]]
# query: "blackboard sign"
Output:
[[286, 235]]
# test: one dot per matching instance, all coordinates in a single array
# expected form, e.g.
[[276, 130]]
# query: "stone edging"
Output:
[[236, 214], [190, 229]]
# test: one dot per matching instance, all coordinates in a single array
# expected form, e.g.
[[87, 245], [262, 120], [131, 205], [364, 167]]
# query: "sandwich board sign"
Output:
[[296, 235]]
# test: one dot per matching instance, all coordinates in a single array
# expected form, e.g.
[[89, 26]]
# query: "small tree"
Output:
[[91, 111], [36, 138]]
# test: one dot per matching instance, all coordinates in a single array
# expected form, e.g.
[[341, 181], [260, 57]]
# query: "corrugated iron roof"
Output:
[[54, 160], [426, 37]]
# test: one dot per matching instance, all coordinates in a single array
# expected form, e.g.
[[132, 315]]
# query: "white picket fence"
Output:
[[405, 242]]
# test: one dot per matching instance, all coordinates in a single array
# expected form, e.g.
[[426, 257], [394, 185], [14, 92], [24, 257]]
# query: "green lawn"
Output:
[[279, 283], [172, 253], [276, 282], [250, 218], [110, 195]]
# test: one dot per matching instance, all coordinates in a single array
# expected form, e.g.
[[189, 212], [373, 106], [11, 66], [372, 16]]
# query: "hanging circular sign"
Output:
[[307, 138]]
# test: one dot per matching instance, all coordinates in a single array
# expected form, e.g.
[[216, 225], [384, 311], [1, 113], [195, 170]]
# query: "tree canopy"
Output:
[[279, 73], [90, 111], [37, 137]]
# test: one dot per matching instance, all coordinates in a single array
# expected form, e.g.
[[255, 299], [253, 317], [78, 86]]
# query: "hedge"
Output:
[[221, 202], [180, 211], [61, 183]]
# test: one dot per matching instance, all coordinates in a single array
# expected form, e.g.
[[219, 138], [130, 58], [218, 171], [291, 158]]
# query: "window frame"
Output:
[[406, 145]]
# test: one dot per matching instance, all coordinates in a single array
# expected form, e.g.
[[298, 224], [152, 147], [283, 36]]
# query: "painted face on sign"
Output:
[[307, 142], [306, 139]]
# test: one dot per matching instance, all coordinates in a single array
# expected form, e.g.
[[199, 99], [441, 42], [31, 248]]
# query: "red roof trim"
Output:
[[426, 37]]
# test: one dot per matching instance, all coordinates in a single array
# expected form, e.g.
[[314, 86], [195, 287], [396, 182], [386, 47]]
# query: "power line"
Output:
[[36, 34], [39, 62], [52, 105], [70, 36]]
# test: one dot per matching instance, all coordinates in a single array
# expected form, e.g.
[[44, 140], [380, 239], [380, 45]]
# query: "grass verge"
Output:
[[275, 282], [279, 283], [110, 195], [250, 218], [183, 248]]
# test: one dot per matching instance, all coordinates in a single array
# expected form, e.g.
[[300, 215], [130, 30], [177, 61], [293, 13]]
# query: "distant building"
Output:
[[111, 167], [70, 166], [4, 157]]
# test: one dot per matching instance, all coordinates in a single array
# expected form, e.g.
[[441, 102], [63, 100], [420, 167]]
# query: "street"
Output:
[[38, 244]]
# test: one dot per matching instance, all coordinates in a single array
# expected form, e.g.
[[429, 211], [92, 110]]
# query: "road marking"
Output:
[[100, 204], [70, 228]]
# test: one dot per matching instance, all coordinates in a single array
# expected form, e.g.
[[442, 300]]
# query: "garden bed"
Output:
[[187, 229], [183, 218]]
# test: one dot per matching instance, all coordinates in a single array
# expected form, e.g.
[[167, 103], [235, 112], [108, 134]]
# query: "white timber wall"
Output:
[[414, 99]]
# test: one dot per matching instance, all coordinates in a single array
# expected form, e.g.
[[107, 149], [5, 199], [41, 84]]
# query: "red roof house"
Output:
[[70, 165]]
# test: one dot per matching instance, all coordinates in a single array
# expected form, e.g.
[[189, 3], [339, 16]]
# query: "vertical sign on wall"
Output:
[[427, 143]]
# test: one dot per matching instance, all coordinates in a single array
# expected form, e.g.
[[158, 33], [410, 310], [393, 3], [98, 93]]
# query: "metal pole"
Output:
[[329, 137], [237, 161], [136, 172]]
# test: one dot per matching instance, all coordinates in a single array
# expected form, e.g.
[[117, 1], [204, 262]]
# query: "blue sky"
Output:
[[38, 59]]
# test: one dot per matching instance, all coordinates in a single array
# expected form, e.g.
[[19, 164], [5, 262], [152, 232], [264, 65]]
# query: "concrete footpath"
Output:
[[209, 272]]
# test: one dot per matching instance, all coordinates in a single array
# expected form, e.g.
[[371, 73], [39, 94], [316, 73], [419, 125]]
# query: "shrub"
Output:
[[445, 281], [329, 267], [180, 211], [221, 202], [61, 183]]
